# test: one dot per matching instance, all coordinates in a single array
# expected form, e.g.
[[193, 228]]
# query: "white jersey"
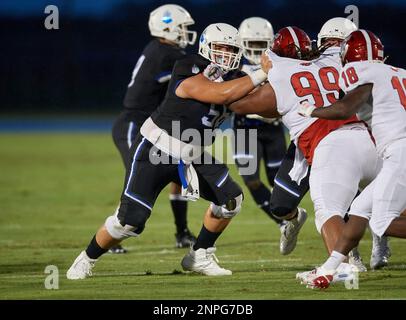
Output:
[[388, 98], [295, 81]]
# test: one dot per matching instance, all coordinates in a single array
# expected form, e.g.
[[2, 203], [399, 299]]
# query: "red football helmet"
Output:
[[361, 45], [291, 42]]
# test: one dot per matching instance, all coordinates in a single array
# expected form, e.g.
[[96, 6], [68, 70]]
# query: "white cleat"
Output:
[[306, 276], [311, 278], [290, 231], [344, 272], [355, 260], [204, 261], [380, 252], [81, 267]]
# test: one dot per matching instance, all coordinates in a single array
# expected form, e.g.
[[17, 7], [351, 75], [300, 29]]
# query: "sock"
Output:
[[206, 239], [94, 251], [262, 196], [334, 261], [179, 209]]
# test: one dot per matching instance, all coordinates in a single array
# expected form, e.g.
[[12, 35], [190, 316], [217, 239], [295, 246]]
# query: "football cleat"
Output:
[[321, 282], [290, 231], [345, 272], [81, 267], [355, 259], [316, 278], [185, 239], [205, 262], [380, 252], [306, 276], [118, 249]]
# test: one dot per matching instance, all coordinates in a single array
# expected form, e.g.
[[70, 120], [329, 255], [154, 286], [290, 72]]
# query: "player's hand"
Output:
[[266, 63], [306, 109], [213, 72]]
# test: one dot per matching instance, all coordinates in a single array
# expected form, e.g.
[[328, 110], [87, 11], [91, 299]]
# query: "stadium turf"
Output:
[[56, 189]]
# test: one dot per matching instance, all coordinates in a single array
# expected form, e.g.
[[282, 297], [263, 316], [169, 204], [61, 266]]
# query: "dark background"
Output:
[[85, 66]]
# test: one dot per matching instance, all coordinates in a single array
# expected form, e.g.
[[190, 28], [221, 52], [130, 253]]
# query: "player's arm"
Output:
[[202, 89], [341, 109], [261, 102]]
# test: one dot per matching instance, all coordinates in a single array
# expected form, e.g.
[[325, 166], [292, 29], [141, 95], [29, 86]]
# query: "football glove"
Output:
[[213, 72], [305, 109]]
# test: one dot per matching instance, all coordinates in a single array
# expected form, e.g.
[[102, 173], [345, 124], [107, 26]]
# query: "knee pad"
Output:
[[117, 230], [228, 210], [128, 221]]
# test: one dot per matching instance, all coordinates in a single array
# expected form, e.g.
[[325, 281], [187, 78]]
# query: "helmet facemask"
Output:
[[326, 43], [225, 55], [254, 48], [185, 36]]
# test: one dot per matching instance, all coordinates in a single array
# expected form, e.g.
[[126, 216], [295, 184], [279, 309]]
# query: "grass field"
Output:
[[56, 189]]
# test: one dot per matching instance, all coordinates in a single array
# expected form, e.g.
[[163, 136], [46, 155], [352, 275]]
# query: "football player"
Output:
[[256, 35], [170, 148], [335, 173], [168, 25], [340, 28], [363, 76]]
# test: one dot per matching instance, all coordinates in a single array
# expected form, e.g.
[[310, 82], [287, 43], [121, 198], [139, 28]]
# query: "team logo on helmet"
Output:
[[202, 38], [167, 17]]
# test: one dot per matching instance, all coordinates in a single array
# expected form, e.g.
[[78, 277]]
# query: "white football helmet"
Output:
[[216, 37], [338, 28], [170, 22], [256, 35]]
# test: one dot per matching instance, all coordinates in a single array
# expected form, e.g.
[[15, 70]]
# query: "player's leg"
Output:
[[285, 199], [144, 181], [184, 238], [247, 157], [389, 199], [274, 149], [124, 132], [352, 232], [382, 201], [226, 198], [340, 162]]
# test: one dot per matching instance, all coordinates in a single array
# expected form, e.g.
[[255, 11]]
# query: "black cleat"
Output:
[[118, 249], [185, 239]]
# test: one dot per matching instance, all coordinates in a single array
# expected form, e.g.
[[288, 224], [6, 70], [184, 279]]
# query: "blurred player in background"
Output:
[[256, 35], [194, 103], [168, 25], [363, 76]]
